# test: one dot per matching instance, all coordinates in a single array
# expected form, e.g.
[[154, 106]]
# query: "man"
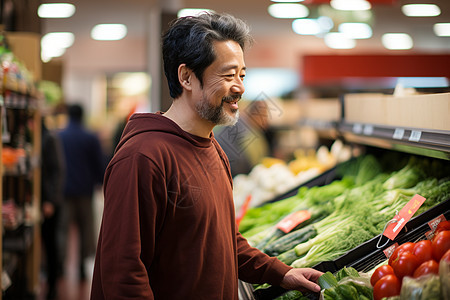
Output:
[[84, 161], [168, 228]]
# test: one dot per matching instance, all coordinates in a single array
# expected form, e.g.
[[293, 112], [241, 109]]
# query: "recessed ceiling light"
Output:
[[56, 10], [190, 12], [442, 29], [306, 26], [109, 32], [421, 10], [397, 41], [288, 10], [48, 54], [350, 4], [338, 40], [54, 44], [57, 40], [356, 30]]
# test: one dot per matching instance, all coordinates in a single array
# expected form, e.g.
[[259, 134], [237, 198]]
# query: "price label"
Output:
[[398, 134], [433, 224], [357, 128], [291, 221], [415, 136], [389, 250], [405, 214], [368, 130]]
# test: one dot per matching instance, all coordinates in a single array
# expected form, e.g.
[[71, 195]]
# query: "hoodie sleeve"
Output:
[[256, 266], [131, 220]]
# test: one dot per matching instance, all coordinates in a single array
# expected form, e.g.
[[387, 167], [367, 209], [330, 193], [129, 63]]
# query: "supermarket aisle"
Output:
[[71, 287]]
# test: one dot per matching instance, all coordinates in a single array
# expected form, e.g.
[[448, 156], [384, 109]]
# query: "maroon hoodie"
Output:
[[168, 228]]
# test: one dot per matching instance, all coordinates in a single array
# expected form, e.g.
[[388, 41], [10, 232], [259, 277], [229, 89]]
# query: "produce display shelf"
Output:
[[322, 179], [431, 143], [365, 256]]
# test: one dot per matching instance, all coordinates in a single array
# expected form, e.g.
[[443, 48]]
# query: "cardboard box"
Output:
[[26, 46], [428, 111], [323, 109]]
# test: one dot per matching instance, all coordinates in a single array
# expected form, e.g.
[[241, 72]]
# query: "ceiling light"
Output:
[[288, 10], [57, 40], [191, 12], [350, 4], [109, 32], [287, 1], [54, 44], [337, 40], [48, 54], [421, 10], [356, 30], [442, 29], [326, 23], [397, 41], [306, 26], [56, 10]]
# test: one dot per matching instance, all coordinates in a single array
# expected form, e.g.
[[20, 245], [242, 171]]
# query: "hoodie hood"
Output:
[[145, 122]]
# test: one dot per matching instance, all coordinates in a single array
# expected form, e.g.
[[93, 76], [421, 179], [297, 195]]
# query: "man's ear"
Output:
[[185, 76]]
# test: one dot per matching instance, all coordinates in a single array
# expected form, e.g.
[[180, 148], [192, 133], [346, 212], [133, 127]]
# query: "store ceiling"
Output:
[[134, 14]]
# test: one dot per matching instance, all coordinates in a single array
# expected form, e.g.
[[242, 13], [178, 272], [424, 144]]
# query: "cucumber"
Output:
[[288, 257], [275, 234], [290, 240]]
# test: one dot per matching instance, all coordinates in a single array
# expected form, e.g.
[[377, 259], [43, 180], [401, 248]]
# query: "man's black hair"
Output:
[[189, 41]]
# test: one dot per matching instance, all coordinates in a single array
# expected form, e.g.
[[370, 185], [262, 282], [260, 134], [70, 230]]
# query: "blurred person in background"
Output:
[[245, 143], [85, 164], [168, 229], [52, 182]]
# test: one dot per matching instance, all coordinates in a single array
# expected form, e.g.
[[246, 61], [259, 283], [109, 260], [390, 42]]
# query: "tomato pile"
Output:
[[413, 260]]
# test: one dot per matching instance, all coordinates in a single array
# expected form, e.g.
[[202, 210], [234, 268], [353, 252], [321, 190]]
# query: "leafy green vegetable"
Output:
[[292, 295], [327, 280]]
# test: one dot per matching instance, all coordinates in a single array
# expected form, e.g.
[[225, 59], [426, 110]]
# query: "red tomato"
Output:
[[408, 247], [440, 244], [387, 286], [405, 265], [442, 226], [381, 272], [428, 267], [446, 256], [423, 251]]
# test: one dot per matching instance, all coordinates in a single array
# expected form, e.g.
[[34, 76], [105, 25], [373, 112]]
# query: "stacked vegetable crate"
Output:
[[362, 251]]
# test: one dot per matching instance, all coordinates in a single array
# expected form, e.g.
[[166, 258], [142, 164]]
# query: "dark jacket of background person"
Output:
[[84, 156], [168, 229], [52, 181], [85, 162]]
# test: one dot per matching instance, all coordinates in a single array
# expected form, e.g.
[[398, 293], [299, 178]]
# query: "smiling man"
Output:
[[168, 228]]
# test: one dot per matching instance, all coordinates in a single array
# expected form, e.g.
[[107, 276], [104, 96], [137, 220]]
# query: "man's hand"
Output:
[[301, 279]]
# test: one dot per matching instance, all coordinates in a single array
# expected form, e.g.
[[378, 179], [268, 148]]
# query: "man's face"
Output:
[[222, 85]]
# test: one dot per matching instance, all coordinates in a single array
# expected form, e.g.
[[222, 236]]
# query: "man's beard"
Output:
[[217, 114]]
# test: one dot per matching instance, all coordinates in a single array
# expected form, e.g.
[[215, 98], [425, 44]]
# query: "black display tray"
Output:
[[367, 255]]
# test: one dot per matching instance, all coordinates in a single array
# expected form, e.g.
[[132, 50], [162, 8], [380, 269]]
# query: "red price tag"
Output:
[[403, 216], [292, 220], [433, 224], [389, 250]]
